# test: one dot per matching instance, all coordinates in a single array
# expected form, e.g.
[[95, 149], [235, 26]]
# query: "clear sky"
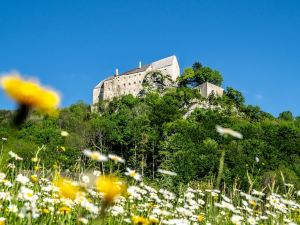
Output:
[[72, 45]]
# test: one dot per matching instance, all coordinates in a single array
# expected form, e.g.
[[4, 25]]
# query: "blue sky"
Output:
[[72, 45]]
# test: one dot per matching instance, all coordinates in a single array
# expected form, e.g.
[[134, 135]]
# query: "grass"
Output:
[[35, 197]]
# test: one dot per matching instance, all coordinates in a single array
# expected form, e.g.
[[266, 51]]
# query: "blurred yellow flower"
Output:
[[34, 178], [139, 220], [34, 159], [36, 168], [29, 93], [110, 187], [45, 211], [67, 188], [200, 218], [253, 203], [153, 220], [64, 209], [2, 220], [61, 148]]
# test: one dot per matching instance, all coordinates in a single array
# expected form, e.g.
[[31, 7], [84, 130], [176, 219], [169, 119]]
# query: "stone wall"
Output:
[[122, 85], [208, 88]]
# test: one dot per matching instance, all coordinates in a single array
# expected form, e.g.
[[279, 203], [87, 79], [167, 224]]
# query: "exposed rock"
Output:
[[157, 81]]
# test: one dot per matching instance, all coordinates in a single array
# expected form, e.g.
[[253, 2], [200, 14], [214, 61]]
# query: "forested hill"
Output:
[[173, 130]]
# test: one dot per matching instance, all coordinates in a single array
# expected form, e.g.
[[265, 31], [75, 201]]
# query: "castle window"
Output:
[[134, 82], [129, 83], [140, 81], [124, 85]]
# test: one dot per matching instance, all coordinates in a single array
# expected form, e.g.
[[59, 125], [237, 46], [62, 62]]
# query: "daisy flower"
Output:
[[228, 131], [133, 174], [94, 155], [15, 156], [167, 172], [64, 133], [116, 158]]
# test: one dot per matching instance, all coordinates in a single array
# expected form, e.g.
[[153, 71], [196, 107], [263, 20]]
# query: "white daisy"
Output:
[[167, 172], [64, 133], [116, 158], [22, 179], [228, 131], [133, 174], [15, 156], [94, 155]]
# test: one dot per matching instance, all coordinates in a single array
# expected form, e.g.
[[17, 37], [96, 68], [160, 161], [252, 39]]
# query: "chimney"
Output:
[[117, 72], [140, 64]]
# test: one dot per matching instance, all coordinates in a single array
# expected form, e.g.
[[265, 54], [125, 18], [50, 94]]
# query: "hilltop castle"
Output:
[[130, 82]]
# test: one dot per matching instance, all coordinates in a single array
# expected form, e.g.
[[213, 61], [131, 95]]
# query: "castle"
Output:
[[130, 82]]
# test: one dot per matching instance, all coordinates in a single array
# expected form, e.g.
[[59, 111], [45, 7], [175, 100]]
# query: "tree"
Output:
[[196, 66], [286, 115], [236, 96], [206, 74], [187, 78], [253, 112], [198, 74]]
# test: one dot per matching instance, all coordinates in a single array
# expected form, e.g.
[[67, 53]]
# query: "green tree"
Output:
[[286, 115], [187, 78], [206, 74], [199, 74], [236, 96], [196, 66]]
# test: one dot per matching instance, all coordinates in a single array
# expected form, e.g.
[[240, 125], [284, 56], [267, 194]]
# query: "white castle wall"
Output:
[[132, 83], [208, 88]]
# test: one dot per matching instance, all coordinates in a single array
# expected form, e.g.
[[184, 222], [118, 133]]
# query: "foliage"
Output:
[[199, 74], [236, 96], [286, 115]]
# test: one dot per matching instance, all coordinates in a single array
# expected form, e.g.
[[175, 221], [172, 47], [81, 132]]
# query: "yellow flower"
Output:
[[34, 178], [67, 188], [36, 168], [200, 218], [61, 148], [2, 220], [34, 159], [153, 220], [55, 166], [29, 93], [45, 211], [64, 209], [253, 203], [111, 188], [139, 220]]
